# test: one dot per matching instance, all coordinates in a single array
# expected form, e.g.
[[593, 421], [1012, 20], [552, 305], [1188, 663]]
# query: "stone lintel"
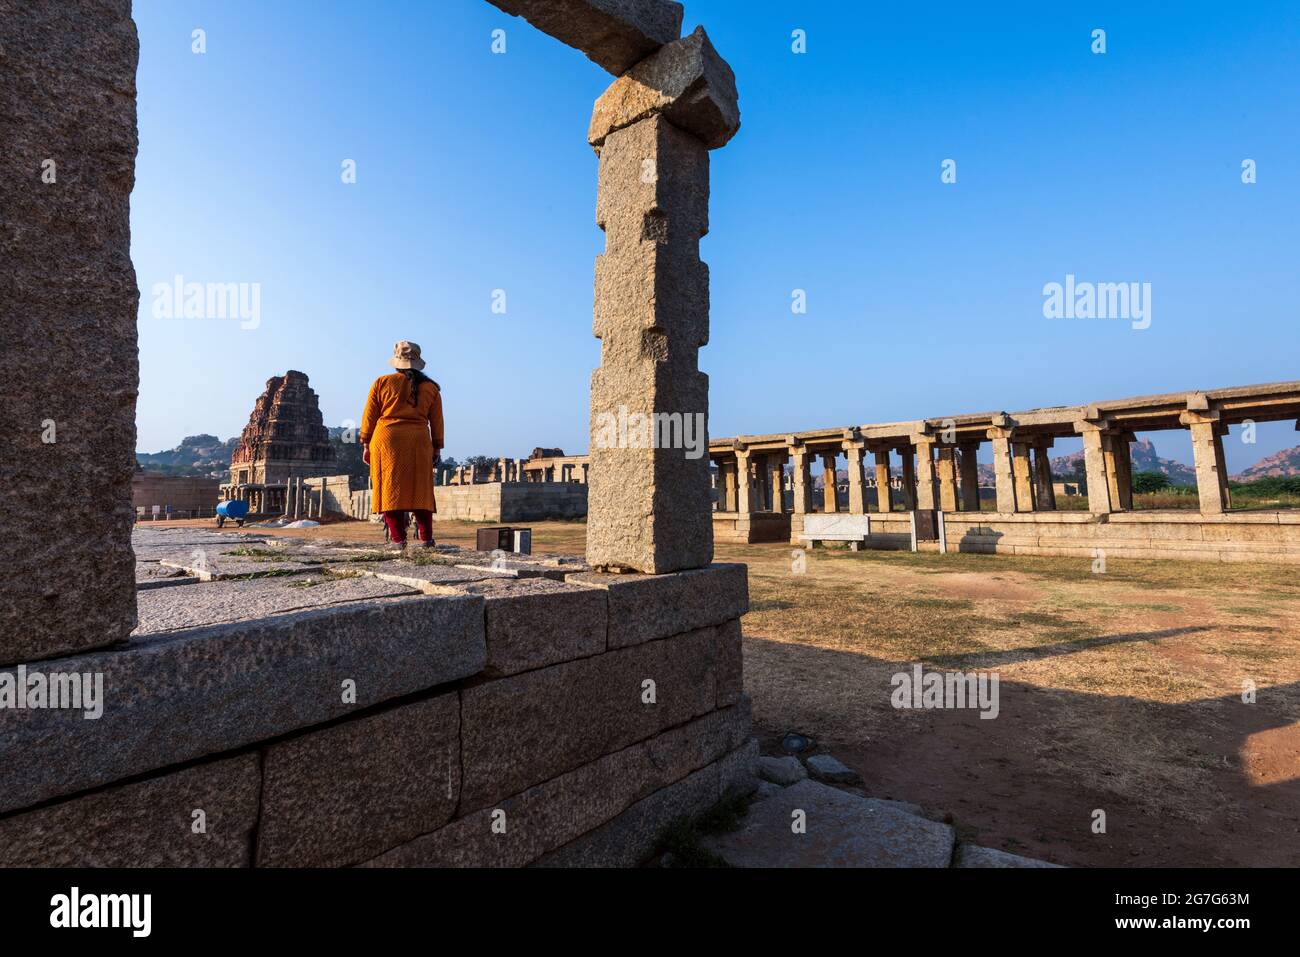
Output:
[[1198, 402], [1198, 418], [686, 81], [615, 34], [1100, 425]]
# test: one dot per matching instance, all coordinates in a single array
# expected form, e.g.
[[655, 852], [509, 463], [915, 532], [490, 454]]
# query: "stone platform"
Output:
[[285, 703]]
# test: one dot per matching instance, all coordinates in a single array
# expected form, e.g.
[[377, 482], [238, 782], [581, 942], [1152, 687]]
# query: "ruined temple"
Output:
[[285, 436]]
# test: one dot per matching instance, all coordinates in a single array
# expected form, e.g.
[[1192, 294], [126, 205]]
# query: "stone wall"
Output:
[[69, 366], [512, 501], [496, 721], [1234, 537], [183, 493]]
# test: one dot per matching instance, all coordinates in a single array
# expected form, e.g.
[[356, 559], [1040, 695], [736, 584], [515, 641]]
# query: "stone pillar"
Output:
[[1046, 493], [1094, 463], [776, 463], [830, 498], [906, 453], [1003, 469], [1110, 442], [970, 477], [503, 470], [744, 484], [853, 451], [648, 509], [1124, 460], [69, 297], [802, 479], [1207, 453], [925, 491], [883, 499], [727, 485], [947, 469], [1022, 474]]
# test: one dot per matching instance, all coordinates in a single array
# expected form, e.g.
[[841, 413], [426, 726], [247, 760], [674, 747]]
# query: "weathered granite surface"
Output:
[[784, 770], [842, 830], [971, 855], [344, 793], [536, 622], [194, 606], [518, 829], [527, 728], [147, 823], [613, 33], [678, 603], [686, 81], [185, 694], [69, 296], [649, 509]]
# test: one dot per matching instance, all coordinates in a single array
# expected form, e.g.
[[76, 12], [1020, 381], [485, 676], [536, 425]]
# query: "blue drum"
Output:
[[234, 510]]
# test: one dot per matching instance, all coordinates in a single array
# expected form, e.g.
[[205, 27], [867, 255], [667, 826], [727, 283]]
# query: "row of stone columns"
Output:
[[754, 481]]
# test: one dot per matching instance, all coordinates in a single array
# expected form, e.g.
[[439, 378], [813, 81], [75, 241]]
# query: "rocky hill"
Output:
[[1284, 464], [200, 455], [1145, 459], [209, 457]]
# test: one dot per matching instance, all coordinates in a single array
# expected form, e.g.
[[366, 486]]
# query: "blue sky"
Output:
[[923, 298]]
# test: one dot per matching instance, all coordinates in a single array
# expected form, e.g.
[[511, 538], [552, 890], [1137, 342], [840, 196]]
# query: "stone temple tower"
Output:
[[285, 436]]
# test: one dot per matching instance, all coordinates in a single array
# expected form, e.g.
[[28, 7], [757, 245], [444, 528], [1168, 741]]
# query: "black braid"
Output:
[[415, 377]]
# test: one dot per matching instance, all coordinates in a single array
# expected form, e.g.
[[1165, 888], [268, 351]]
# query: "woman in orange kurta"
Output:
[[401, 437]]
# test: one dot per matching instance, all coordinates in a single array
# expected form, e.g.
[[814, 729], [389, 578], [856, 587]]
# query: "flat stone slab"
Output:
[[840, 830], [613, 33], [785, 770], [972, 855], [826, 767], [176, 696], [420, 577], [223, 602]]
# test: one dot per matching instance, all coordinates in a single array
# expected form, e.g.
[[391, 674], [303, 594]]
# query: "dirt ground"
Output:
[[1120, 692]]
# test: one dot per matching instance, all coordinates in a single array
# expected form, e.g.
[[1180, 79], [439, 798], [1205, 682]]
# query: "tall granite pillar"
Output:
[[1207, 454], [69, 297], [908, 456], [648, 508], [777, 482], [947, 471], [970, 477], [1003, 470], [925, 491], [853, 451], [1043, 486], [802, 479], [883, 502], [1022, 475], [1094, 464], [830, 482]]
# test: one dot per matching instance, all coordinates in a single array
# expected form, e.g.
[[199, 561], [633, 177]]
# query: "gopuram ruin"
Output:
[[431, 702], [284, 442]]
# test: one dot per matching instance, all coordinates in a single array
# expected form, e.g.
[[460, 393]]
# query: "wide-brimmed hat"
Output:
[[406, 355]]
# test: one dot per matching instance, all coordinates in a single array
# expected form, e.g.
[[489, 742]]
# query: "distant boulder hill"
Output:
[[1284, 464], [207, 456]]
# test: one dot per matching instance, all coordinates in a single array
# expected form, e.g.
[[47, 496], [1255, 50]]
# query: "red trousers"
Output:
[[396, 522]]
